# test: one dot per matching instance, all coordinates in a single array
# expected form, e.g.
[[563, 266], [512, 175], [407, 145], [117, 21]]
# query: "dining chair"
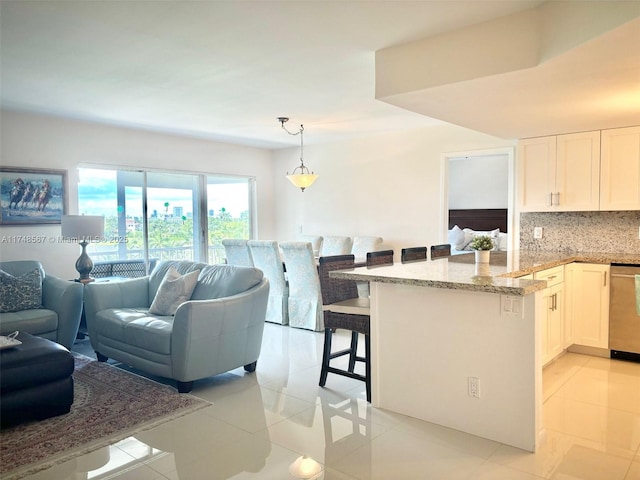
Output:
[[305, 299], [362, 245], [335, 245], [316, 243], [440, 251], [413, 254], [237, 252], [343, 309], [266, 257], [383, 257]]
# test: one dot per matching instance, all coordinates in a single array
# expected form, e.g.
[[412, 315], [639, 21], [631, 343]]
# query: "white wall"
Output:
[[35, 141], [386, 185], [479, 182]]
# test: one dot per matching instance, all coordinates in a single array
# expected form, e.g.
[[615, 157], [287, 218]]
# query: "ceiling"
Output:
[[223, 70]]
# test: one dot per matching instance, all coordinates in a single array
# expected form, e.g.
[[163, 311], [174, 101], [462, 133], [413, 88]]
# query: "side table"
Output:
[[82, 330]]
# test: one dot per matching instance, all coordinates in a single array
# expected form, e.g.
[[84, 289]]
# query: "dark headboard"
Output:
[[479, 219]]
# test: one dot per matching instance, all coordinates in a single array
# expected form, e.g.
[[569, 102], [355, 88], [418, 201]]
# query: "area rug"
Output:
[[109, 405]]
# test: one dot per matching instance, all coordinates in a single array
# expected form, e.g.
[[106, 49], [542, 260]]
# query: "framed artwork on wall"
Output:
[[31, 196]]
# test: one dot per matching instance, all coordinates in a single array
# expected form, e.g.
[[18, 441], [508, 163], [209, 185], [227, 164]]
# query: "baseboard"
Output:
[[593, 351]]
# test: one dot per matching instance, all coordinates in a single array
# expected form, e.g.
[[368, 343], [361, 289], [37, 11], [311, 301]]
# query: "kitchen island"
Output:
[[458, 344]]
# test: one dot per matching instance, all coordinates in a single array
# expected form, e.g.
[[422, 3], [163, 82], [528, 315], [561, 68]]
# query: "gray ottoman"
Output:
[[35, 380]]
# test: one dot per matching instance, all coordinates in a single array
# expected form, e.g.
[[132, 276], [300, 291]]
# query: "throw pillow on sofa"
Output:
[[20, 293], [174, 290]]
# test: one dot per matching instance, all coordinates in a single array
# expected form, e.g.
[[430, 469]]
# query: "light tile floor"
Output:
[[259, 424]]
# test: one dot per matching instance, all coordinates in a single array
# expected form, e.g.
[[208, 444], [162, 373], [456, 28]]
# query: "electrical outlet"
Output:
[[537, 232], [511, 305], [474, 387]]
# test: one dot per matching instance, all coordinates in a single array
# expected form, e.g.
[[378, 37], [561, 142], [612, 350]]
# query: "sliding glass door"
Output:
[[163, 215], [229, 203]]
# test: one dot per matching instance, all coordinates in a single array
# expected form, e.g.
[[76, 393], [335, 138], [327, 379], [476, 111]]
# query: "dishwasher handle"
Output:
[[622, 275]]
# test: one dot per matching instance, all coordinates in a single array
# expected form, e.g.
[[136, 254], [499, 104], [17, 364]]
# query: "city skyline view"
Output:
[[97, 195]]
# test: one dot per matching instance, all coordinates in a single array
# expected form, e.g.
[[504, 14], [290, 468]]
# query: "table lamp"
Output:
[[83, 228]]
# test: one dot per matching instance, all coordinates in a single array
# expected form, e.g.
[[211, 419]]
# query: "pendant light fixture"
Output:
[[303, 178]]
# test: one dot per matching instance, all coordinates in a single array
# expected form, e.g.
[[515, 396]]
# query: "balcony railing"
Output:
[[215, 254]]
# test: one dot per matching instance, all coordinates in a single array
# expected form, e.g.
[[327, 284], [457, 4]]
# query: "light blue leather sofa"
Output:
[[218, 330], [58, 318]]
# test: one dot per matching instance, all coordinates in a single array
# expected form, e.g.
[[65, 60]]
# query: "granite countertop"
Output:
[[460, 272]]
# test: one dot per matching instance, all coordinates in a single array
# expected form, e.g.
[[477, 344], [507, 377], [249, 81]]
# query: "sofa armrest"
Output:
[[98, 296], [64, 298], [230, 326]]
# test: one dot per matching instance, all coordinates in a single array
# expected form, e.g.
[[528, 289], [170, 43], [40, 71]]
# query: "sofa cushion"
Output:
[[35, 322], [219, 281], [174, 290], [135, 327], [22, 292], [158, 274]]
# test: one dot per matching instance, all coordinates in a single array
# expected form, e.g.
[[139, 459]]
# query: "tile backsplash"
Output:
[[614, 232]]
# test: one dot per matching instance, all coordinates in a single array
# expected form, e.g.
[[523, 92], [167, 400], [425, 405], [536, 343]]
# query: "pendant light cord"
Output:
[[282, 121]]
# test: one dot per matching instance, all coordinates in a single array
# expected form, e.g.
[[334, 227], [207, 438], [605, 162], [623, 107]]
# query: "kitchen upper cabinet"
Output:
[[620, 170], [536, 173], [590, 305], [560, 173]]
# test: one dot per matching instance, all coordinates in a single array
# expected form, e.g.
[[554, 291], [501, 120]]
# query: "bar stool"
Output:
[[344, 309], [440, 251], [413, 254], [383, 257]]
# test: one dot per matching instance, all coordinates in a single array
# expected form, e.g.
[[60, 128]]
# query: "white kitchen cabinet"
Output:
[[569, 288], [536, 162], [559, 173], [578, 172], [590, 305], [620, 170], [553, 323], [536, 173]]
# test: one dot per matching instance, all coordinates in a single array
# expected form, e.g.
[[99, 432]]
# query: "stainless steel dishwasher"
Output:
[[624, 321]]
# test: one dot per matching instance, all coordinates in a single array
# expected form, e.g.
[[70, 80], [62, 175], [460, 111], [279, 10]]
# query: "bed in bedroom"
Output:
[[467, 223]]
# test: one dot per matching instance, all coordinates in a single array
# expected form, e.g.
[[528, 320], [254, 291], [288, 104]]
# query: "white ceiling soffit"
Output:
[[221, 70], [559, 68]]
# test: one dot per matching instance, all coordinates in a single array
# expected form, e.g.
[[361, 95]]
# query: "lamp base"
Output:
[[85, 280], [84, 265]]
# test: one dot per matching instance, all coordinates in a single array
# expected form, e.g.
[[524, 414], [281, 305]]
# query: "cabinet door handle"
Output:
[[551, 199], [551, 277], [555, 302], [605, 279]]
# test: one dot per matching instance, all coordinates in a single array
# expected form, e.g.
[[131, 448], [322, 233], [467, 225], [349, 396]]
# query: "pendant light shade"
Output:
[[301, 177]]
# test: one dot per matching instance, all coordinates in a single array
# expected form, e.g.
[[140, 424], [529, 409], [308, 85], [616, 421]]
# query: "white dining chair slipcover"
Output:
[[266, 257], [316, 243], [335, 245], [305, 298], [237, 252], [362, 245]]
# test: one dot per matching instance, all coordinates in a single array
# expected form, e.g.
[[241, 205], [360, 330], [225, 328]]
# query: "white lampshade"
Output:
[[302, 180], [83, 227]]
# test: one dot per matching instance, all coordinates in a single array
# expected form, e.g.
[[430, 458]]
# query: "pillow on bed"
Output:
[[502, 241], [456, 238]]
